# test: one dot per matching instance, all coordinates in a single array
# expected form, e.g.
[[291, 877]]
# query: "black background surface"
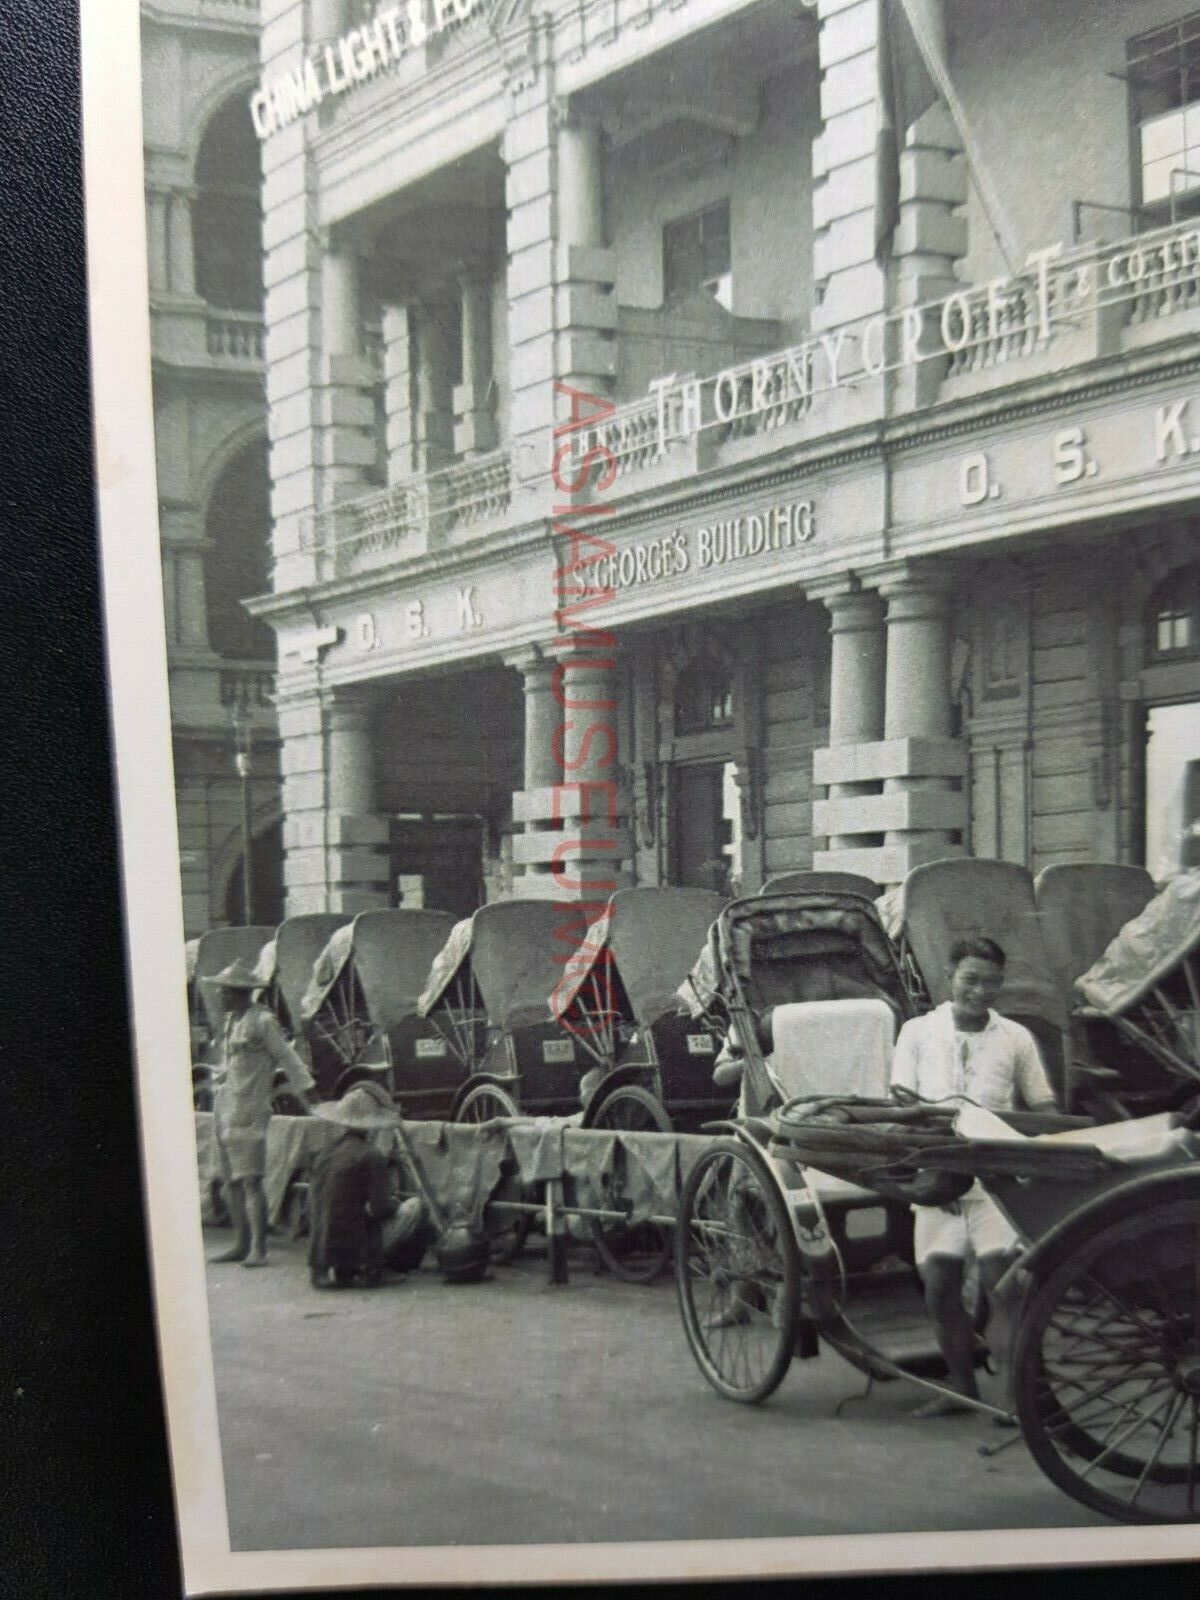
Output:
[[86, 1501]]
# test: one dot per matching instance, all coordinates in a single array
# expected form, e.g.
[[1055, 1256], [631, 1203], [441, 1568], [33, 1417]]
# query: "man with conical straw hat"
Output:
[[358, 1223], [253, 1049]]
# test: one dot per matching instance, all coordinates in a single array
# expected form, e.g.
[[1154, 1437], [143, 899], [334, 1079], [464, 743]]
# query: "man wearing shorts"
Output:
[[253, 1050], [964, 1053]]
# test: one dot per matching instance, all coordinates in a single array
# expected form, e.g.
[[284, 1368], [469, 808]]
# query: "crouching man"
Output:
[[964, 1053], [358, 1224]]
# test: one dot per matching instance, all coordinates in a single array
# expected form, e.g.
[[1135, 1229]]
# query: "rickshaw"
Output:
[[945, 901], [1141, 1002], [358, 1010], [792, 1226], [650, 1060], [285, 966], [213, 951], [1081, 907], [489, 997]]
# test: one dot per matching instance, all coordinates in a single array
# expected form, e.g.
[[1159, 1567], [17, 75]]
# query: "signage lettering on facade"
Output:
[[1056, 288], [755, 533], [353, 59]]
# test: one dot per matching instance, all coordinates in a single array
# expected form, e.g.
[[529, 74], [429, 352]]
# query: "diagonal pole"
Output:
[[935, 65]]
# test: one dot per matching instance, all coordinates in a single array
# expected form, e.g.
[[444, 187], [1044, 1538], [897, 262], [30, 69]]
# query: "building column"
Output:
[[336, 846], [848, 279], [347, 444], [562, 310], [434, 443], [181, 260], [156, 240], [857, 643], [474, 419], [893, 772], [399, 398], [576, 843]]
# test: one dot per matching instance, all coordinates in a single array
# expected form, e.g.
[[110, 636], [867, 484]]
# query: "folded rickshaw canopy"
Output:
[[1147, 949]]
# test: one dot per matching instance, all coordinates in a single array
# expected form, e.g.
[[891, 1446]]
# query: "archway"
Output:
[[227, 211], [237, 525], [266, 881]]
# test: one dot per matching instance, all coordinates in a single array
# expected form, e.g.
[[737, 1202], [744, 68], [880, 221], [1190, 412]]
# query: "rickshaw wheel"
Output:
[[737, 1270], [506, 1230], [637, 1254], [1107, 1369]]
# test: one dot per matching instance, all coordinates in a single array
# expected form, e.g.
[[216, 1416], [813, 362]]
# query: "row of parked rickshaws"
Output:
[[520, 1009], [793, 1228]]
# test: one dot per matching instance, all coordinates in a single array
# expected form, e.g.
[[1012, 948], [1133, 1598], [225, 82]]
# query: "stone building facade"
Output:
[[203, 212], [895, 551]]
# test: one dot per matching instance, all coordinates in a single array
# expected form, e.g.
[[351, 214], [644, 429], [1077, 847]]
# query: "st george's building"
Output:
[[870, 335]]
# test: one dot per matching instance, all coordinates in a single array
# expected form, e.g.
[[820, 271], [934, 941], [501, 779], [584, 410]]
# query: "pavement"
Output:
[[515, 1411]]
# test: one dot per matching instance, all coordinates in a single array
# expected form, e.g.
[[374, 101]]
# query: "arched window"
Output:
[[238, 529], [227, 211], [703, 698], [1173, 617]]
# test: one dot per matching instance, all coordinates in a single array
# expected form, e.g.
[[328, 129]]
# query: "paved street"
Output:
[[513, 1411]]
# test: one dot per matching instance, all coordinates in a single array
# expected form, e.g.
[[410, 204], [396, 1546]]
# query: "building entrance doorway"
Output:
[[1172, 796], [266, 882], [437, 863], [706, 827]]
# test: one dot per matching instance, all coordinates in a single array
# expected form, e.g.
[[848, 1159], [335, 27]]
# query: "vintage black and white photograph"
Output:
[[669, 650]]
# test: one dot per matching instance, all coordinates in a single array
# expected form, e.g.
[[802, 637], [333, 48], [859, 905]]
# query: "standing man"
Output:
[[253, 1048], [964, 1053]]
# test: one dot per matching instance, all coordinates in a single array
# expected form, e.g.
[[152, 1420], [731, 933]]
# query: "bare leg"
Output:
[[943, 1277], [240, 1248], [256, 1208], [1004, 1308]]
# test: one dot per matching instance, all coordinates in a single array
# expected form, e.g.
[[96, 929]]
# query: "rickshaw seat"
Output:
[[833, 1047]]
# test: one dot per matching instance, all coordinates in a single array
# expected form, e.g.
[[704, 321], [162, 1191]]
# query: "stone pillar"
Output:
[[562, 311], [434, 385], [399, 398], [891, 764], [328, 20], [856, 696], [848, 279], [181, 259], [320, 387], [576, 843], [156, 241], [336, 846], [474, 420]]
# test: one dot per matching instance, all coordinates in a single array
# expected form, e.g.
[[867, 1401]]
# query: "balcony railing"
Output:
[[247, 688], [1143, 278], [234, 336], [409, 517]]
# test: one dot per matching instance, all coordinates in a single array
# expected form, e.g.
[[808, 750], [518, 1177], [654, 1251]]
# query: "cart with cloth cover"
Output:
[[359, 1011], [1140, 1002], [793, 1229], [1081, 907]]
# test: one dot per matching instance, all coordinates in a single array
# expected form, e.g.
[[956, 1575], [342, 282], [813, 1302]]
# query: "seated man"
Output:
[[963, 1052], [358, 1224]]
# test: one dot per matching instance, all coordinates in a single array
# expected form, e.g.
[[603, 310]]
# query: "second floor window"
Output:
[[696, 255], [1173, 624], [1164, 82]]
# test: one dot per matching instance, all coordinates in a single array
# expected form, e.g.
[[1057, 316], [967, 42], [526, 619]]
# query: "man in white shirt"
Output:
[[964, 1053]]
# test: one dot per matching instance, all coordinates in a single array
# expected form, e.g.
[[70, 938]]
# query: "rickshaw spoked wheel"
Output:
[[1107, 1368], [507, 1230], [637, 1254], [737, 1271]]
